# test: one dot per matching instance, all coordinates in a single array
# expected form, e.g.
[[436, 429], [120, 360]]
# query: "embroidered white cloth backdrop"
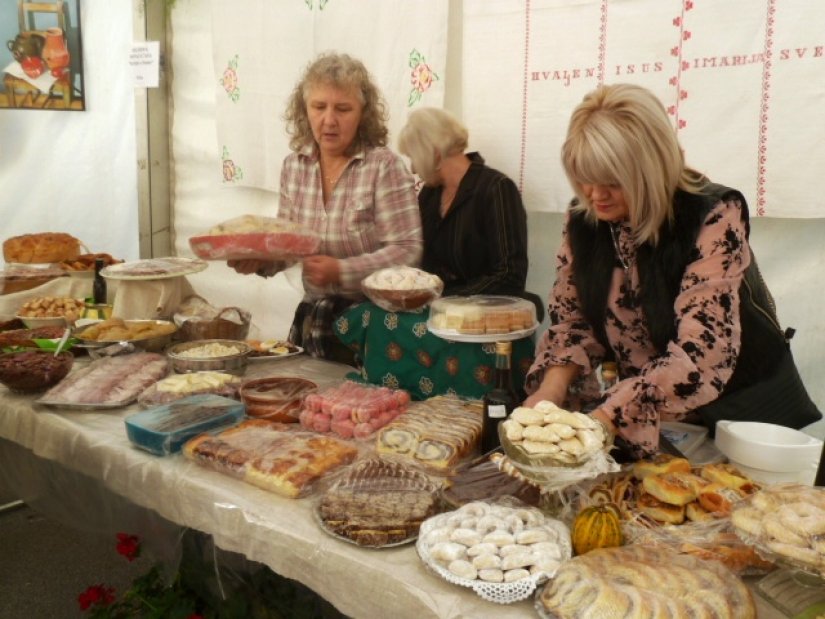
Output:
[[743, 82], [261, 47]]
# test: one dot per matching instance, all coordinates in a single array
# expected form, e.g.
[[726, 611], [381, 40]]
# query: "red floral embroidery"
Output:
[[128, 546], [96, 594]]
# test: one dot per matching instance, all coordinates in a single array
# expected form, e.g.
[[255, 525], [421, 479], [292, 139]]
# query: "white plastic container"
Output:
[[769, 453]]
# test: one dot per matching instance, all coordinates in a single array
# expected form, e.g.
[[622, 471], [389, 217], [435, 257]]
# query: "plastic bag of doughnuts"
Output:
[[786, 523]]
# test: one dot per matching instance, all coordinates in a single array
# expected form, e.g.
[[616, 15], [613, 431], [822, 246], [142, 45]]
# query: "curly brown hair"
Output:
[[347, 73]]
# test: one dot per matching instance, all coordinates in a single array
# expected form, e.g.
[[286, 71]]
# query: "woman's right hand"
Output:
[[554, 384], [263, 268]]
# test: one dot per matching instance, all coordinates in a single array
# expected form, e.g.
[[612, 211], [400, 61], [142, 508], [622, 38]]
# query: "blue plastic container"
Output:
[[163, 430]]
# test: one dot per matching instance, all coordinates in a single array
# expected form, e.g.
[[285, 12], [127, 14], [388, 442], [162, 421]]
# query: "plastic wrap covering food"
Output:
[[377, 502], [110, 382], [19, 277], [485, 482], [149, 334], [179, 386], [635, 581], [665, 502], [481, 315], [277, 398], [436, 433], [786, 523], [196, 319], [164, 429], [352, 409], [399, 289], [503, 551], [264, 455], [555, 447], [255, 238]]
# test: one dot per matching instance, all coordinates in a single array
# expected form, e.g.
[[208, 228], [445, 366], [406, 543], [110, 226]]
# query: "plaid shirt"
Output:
[[370, 221]]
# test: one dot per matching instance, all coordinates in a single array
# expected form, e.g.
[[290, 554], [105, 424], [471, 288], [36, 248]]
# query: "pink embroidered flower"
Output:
[[230, 80], [228, 170], [422, 77], [96, 594]]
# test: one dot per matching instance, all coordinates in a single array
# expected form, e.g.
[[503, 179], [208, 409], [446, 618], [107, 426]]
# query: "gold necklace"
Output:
[[332, 179]]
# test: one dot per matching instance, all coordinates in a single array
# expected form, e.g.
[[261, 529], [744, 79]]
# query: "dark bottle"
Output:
[[99, 287], [500, 401], [820, 472]]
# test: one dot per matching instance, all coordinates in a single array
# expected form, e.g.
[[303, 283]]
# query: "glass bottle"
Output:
[[610, 374], [99, 286], [500, 401]]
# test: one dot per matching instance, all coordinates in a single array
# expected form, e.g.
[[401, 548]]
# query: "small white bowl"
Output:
[[781, 453], [32, 322]]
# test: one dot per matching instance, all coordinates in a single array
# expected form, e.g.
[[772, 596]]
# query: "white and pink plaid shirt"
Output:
[[370, 222]]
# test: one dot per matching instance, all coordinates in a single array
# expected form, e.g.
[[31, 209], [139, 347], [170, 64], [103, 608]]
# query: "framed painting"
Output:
[[41, 57]]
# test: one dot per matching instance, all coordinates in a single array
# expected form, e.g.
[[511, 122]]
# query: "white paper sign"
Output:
[[145, 62]]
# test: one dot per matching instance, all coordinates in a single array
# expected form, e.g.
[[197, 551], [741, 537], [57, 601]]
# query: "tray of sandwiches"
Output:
[[377, 503]]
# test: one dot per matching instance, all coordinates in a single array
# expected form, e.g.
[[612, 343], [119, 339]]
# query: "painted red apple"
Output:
[[32, 66]]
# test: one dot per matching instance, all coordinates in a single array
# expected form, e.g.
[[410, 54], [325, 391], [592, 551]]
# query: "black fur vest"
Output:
[[661, 268]]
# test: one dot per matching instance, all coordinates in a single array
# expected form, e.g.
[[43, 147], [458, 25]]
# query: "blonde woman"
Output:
[[474, 223], [655, 272]]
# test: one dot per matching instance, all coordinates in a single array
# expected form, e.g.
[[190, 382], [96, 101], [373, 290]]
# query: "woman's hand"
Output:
[[602, 416], [553, 387], [258, 267], [322, 271]]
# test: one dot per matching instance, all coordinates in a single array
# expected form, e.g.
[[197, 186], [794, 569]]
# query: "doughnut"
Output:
[[485, 548], [545, 565], [542, 434], [527, 416], [562, 430], [804, 519], [765, 501], [518, 559], [489, 523], [540, 447], [660, 511], [748, 519], [491, 575], [532, 536], [476, 508], [513, 429], [660, 463], [447, 552], [439, 534], [468, 523], [808, 556], [548, 550], [669, 488], [514, 524], [775, 528], [499, 538]]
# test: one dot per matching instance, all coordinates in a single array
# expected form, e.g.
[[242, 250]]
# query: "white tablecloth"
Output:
[[278, 532]]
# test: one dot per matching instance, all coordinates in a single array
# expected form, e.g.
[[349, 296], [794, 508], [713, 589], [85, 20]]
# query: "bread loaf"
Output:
[[41, 247]]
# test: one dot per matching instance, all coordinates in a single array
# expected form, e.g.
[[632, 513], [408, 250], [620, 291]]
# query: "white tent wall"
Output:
[[76, 172], [73, 171]]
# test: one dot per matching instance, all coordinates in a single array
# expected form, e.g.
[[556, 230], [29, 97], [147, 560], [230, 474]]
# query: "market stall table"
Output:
[[278, 532]]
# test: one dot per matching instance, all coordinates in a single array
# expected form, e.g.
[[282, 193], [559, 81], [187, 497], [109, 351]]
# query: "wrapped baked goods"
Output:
[[481, 315], [111, 382], [262, 454], [635, 581], [352, 410], [164, 429], [436, 433], [277, 398], [501, 551], [377, 502], [785, 522], [399, 289], [255, 238], [41, 247], [178, 386], [486, 482]]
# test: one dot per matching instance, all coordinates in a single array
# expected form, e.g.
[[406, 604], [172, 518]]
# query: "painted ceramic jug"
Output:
[[26, 45], [55, 52]]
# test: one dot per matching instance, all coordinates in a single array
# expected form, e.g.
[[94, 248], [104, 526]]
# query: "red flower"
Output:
[[96, 594], [128, 546]]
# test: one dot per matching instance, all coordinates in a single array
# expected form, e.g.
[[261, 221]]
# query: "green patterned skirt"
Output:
[[398, 351]]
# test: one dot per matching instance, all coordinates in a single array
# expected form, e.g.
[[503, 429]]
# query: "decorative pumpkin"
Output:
[[597, 526]]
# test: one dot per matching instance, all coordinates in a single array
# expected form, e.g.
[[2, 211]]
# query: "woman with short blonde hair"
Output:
[[430, 135]]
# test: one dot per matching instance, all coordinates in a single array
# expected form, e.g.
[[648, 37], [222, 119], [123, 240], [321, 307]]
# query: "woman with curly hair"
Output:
[[343, 182]]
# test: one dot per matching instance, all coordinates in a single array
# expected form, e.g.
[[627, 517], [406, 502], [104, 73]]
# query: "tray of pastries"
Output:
[[637, 581], [263, 454], [377, 503], [500, 551], [436, 433], [482, 318], [785, 522], [399, 289], [254, 237]]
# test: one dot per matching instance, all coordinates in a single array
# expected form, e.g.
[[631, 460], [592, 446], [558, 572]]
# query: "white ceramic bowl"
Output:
[[768, 452], [51, 321]]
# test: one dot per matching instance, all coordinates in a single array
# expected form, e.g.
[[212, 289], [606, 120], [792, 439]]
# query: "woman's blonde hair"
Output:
[[345, 73], [621, 135], [428, 131]]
